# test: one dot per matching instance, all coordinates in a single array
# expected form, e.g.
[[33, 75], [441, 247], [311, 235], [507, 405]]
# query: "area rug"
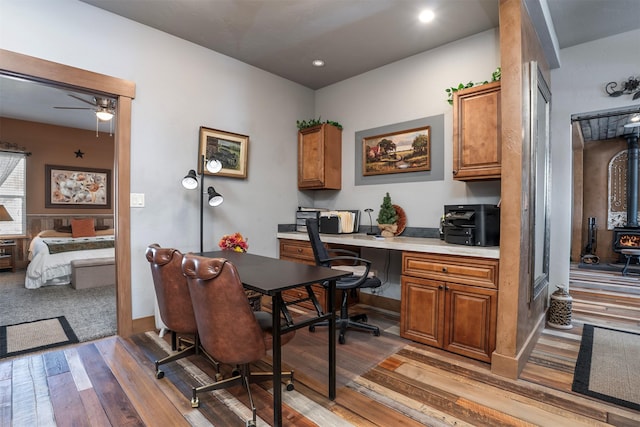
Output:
[[608, 366], [27, 337]]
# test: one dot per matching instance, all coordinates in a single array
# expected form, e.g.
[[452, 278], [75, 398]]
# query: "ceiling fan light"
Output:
[[104, 115]]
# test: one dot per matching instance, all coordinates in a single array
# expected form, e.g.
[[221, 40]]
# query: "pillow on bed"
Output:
[[53, 233], [82, 228]]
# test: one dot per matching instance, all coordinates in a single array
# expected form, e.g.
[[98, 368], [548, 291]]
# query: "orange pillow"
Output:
[[82, 228]]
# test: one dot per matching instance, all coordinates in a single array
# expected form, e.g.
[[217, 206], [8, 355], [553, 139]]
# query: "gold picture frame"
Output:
[[396, 152], [231, 149]]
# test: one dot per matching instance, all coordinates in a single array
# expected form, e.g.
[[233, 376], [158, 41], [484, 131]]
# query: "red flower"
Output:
[[233, 242]]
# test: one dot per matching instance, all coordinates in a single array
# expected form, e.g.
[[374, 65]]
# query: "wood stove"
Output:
[[628, 237]]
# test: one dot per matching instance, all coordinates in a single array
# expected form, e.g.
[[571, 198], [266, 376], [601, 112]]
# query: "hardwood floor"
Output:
[[381, 381]]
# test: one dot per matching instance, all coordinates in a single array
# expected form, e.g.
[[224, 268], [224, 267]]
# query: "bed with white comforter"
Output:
[[47, 268]]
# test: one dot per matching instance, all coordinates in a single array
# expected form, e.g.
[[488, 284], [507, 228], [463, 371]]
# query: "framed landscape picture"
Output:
[[230, 149], [72, 187], [402, 151]]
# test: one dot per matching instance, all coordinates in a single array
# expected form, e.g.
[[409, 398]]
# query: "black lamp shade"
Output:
[[190, 181], [215, 198]]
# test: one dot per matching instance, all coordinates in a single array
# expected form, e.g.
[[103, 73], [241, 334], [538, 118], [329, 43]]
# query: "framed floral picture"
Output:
[[71, 187], [231, 149]]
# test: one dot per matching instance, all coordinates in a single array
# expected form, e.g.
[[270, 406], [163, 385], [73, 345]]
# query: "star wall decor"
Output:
[[79, 154]]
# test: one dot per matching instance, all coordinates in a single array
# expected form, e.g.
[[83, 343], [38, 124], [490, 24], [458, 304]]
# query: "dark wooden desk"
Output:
[[271, 276]]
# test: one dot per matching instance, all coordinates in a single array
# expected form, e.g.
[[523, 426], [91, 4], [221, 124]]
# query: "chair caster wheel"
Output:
[[365, 319], [341, 339], [251, 423], [376, 333], [235, 372], [195, 403], [219, 377], [312, 328], [290, 386], [159, 375]]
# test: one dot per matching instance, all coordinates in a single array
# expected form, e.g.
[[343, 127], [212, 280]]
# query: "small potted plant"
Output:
[[387, 218]]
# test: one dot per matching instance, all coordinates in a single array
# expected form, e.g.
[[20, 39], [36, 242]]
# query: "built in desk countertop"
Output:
[[415, 244]]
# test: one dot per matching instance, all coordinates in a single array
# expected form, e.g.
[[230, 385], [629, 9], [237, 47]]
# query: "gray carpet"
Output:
[[90, 312]]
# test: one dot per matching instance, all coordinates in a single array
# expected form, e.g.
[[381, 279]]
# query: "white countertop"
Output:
[[416, 244]]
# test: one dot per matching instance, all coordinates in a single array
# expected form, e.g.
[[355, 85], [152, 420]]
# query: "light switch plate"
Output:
[[136, 200]]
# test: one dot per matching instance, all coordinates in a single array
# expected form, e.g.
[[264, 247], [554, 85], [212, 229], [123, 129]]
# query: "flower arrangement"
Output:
[[233, 242]]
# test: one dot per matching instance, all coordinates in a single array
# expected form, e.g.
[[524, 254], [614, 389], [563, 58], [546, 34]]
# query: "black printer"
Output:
[[472, 225]]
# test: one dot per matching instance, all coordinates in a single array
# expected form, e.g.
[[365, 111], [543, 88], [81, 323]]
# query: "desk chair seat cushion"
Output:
[[172, 292], [228, 328]]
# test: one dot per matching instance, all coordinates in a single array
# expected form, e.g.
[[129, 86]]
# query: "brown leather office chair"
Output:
[[230, 331], [174, 303]]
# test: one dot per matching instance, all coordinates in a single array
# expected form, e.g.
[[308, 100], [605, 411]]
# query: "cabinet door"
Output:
[[471, 321], [422, 310], [320, 158], [477, 133]]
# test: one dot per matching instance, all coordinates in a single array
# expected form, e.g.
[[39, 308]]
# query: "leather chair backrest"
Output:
[[227, 326], [172, 291]]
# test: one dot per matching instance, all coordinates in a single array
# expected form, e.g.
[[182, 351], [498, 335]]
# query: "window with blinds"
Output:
[[13, 192]]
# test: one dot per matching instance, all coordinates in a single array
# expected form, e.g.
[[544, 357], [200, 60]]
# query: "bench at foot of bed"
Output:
[[93, 272]]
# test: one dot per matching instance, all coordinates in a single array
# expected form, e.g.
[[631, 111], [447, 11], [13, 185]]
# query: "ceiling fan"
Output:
[[104, 108]]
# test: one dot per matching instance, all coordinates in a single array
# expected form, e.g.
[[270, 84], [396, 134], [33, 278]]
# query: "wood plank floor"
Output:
[[381, 381]]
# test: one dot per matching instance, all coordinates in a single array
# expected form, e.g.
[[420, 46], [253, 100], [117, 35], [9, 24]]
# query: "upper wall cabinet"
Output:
[[477, 133], [320, 158]]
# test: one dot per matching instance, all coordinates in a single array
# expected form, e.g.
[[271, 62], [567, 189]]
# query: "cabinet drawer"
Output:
[[298, 293], [5, 261], [460, 269], [298, 250]]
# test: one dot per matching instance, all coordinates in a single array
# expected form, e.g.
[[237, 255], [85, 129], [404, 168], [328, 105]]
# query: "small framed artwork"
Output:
[[71, 187], [402, 151], [230, 149]]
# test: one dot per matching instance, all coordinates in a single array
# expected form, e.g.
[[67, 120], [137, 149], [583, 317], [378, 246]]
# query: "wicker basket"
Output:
[[255, 300]]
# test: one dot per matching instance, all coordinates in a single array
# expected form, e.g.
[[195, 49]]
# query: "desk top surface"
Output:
[[272, 275], [415, 244]]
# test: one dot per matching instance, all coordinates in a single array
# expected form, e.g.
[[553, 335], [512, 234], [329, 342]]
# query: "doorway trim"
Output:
[[40, 70]]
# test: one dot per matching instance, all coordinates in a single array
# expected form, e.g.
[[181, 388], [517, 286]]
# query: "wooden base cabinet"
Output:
[[457, 317]]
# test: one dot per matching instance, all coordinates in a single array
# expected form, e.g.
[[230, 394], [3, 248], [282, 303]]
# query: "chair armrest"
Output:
[[355, 260], [343, 251]]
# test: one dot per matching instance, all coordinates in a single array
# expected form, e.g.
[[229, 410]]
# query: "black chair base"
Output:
[[240, 375], [345, 321]]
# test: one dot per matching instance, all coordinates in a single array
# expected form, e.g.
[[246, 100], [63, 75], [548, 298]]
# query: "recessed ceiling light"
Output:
[[318, 63], [426, 16]]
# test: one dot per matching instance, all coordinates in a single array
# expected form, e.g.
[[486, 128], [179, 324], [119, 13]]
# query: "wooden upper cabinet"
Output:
[[320, 158], [477, 133]]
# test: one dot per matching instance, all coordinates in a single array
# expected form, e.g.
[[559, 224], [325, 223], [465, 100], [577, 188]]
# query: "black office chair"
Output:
[[361, 278]]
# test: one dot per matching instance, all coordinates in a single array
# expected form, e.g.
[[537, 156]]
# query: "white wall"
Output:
[[406, 90], [179, 87], [578, 86]]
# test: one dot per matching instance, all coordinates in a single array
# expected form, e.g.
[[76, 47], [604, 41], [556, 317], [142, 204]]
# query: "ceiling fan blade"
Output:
[[73, 108], [83, 100]]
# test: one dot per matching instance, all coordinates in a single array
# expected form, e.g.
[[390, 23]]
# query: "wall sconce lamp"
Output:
[[191, 182]]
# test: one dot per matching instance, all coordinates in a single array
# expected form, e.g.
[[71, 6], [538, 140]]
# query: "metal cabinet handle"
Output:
[[440, 287], [444, 269]]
